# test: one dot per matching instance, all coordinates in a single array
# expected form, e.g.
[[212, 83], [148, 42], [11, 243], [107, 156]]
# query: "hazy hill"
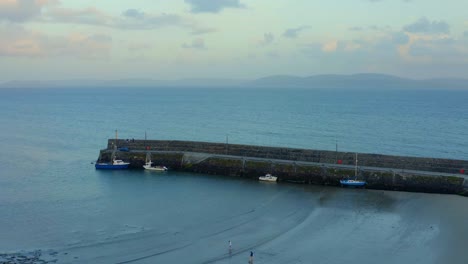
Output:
[[337, 81], [363, 80]]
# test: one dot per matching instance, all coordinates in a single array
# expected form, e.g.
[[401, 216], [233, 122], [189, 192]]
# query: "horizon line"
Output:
[[236, 79]]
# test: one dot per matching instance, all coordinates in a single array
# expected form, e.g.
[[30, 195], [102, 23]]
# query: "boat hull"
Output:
[[352, 183], [268, 178], [105, 166], [155, 168]]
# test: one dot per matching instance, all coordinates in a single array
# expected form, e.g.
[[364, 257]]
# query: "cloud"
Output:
[[138, 47], [439, 49], [312, 49], [372, 27], [133, 13], [22, 10], [268, 38], [96, 46], [330, 46], [129, 19], [375, 1], [293, 32], [272, 54], [351, 46], [15, 41], [198, 43], [201, 31], [89, 15], [150, 21], [423, 25], [212, 6], [400, 38], [356, 29], [465, 34], [49, 11], [384, 46], [380, 28], [397, 52]]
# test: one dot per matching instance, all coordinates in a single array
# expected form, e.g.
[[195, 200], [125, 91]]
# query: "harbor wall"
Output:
[[309, 167], [318, 156]]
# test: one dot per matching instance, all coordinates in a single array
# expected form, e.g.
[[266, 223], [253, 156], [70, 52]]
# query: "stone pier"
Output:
[[383, 172]]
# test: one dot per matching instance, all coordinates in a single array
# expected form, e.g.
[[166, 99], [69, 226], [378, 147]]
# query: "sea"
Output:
[[55, 207]]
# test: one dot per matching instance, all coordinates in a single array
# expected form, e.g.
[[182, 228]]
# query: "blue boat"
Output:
[[353, 182], [114, 165]]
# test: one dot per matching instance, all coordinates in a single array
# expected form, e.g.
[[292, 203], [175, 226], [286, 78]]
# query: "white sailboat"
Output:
[[149, 164]]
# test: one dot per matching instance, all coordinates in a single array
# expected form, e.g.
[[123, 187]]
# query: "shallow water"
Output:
[[144, 217]]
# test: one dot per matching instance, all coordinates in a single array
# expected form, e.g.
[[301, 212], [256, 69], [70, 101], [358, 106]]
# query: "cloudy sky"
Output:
[[241, 39]]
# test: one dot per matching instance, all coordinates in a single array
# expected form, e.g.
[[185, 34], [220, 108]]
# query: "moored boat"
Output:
[[114, 165], [353, 182], [268, 177], [149, 166]]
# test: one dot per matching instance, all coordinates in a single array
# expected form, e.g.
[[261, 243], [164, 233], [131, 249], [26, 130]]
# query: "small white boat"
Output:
[[149, 166], [268, 177]]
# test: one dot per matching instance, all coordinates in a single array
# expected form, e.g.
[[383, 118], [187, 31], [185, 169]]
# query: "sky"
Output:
[[234, 39]]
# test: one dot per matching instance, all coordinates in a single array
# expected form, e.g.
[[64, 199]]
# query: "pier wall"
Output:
[[296, 165], [319, 156], [289, 171]]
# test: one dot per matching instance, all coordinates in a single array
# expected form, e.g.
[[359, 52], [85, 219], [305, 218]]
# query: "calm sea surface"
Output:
[[52, 198]]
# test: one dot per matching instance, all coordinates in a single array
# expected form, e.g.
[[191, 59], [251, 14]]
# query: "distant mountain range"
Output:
[[364, 80]]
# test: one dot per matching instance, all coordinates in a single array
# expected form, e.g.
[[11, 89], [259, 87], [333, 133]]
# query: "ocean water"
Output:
[[52, 198]]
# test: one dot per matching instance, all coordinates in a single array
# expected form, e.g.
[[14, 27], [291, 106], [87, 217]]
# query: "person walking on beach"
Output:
[[251, 257], [230, 245]]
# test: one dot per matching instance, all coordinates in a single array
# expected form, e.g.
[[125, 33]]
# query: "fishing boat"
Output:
[[353, 181], [149, 165], [115, 164], [268, 177]]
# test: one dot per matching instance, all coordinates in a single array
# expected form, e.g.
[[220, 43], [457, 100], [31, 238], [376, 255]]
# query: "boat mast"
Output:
[[115, 147], [355, 168], [148, 157], [336, 151]]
